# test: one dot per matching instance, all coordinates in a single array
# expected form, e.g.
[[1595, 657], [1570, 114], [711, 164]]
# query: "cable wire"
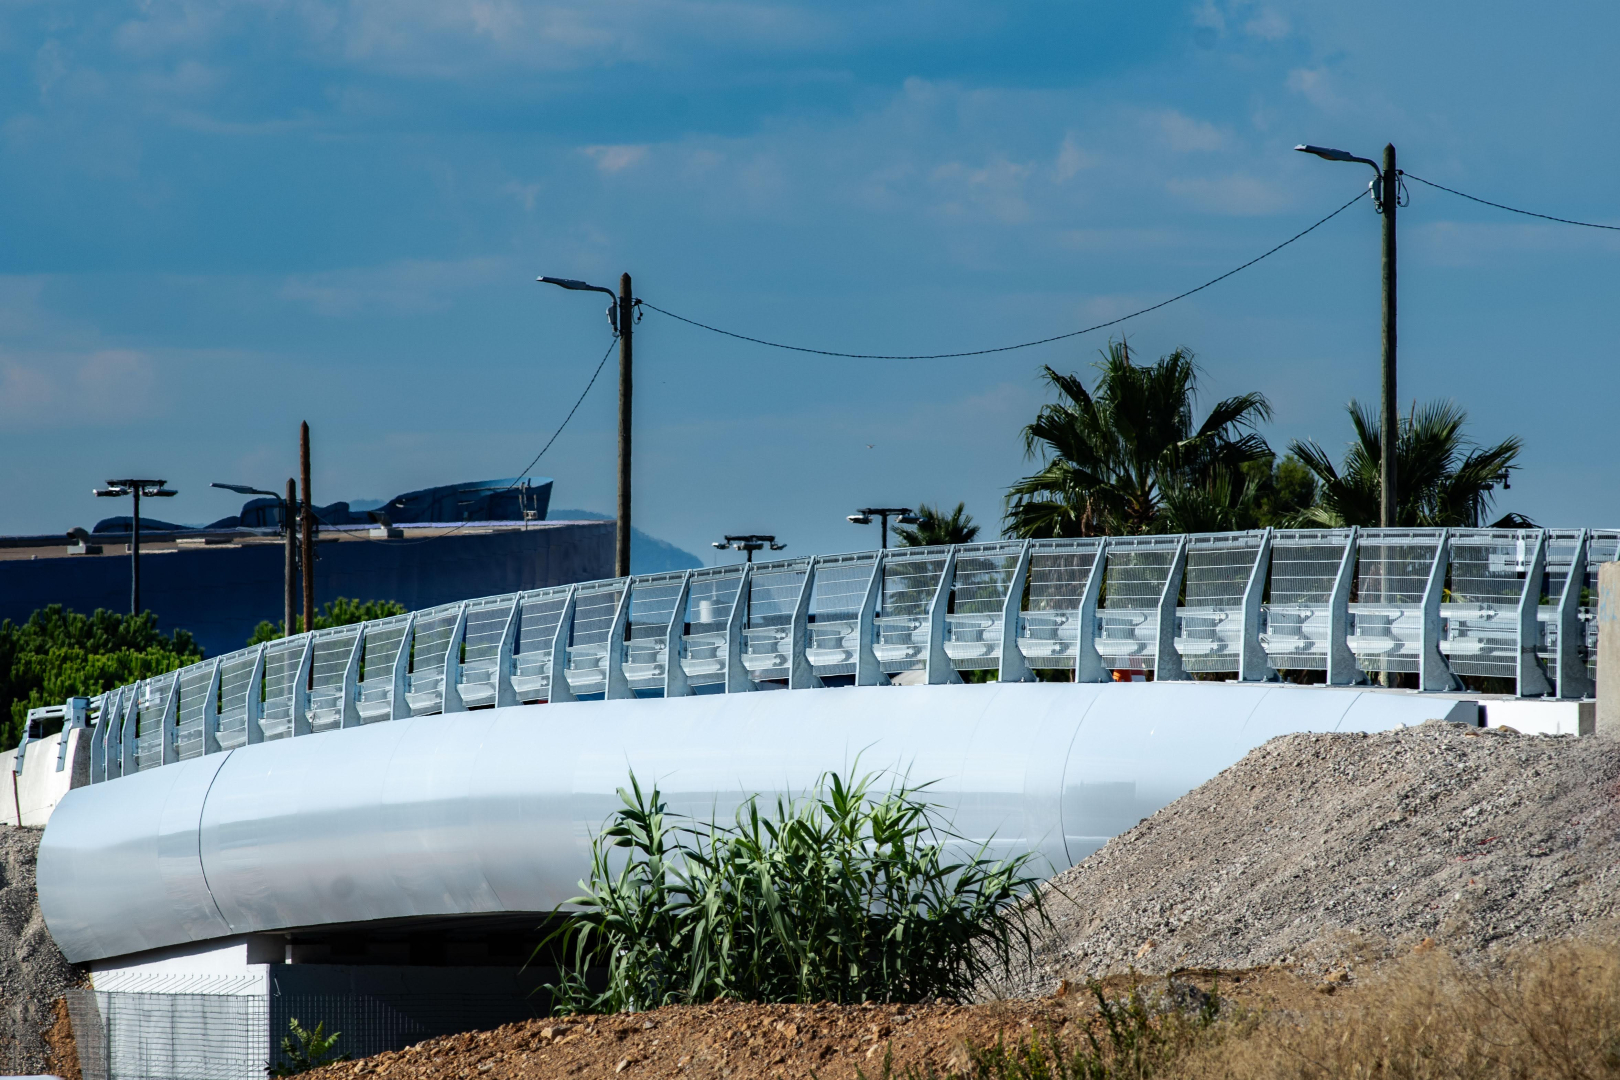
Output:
[[1511, 209], [1022, 345], [522, 475]]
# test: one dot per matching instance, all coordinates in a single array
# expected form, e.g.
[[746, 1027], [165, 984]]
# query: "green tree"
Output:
[[1128, 457], [58, 654], [938, 527], [340, 612], [1442, 477]]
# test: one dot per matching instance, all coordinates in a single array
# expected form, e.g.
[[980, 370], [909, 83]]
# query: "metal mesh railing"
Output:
[[984, 574], [540, 616], [1438, 603], [487, 620], [1049, 628], [1296, 620], [195, 682], [1134, 579], [835, 612], [1386, 616]]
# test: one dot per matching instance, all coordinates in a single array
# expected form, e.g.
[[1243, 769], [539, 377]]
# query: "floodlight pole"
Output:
[[135, 488], [307, 519], [1386, 199]]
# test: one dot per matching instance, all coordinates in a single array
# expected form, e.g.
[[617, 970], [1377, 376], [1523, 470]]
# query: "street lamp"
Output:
[[152, 489], [749, 544], [289, 512], [620, 315], [903, 515], [1386, 191]]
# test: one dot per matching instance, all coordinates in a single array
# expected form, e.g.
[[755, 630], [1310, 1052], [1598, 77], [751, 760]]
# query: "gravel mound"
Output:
[[1320, 852], [34, 975]]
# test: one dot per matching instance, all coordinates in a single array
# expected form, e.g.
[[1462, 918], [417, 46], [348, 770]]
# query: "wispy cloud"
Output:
[[612, 159]]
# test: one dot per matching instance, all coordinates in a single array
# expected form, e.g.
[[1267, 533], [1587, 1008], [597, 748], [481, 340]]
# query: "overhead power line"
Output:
[[1510, 209], [533, 461], [1023, 344]]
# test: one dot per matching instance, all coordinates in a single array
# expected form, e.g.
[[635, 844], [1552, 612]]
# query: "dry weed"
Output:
[[1546, 1011]]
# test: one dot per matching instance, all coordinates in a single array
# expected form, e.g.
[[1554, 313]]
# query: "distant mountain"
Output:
[[648, 554]]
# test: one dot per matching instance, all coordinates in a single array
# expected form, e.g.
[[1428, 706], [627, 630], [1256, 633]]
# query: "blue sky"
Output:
[[223, 218]]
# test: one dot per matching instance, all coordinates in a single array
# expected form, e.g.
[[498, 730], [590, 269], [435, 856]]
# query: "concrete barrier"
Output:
[[49, 772]]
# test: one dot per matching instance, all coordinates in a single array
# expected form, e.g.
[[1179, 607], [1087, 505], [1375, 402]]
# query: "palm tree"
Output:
[[936, 527], [1442, 478], [1128, 457]]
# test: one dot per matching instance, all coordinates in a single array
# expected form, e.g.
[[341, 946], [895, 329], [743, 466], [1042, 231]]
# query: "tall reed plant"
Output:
[[849, 893]]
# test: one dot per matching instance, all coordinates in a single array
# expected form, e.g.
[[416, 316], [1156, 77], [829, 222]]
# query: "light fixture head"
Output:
[[109, 492], [777, 547], [908, 519], [859, 519], [1326, 152], [721, 544]]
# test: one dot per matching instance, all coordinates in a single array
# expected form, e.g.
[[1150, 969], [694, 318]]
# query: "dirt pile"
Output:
[[1322, 852], [34, 1033], [763, 1042]]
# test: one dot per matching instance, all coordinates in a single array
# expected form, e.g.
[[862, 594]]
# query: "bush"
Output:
[[303, 1049], [340, 612], [58, 654], [845, 895]]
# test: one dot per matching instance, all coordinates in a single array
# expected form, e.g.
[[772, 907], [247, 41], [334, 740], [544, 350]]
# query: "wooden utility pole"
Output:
[[289, 524], [307, 519], [621, 550], [1389, 197]]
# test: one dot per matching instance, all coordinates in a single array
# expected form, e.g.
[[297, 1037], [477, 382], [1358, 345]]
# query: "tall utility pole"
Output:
[[622, 317], [289, 525], [621, 549], [307, 520], [1386, 199]]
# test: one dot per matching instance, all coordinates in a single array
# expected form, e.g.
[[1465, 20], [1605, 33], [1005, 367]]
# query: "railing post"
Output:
[[938, 667], [505, 694], [98, 739], [171, 715], [867, 670], [1531, 680], [253, 708], [399, 707], [1573, 681], [1434, 673], [76, 713], [450, 686], [1166, 660], [801, 674], [350, 712], [210, 716], [1254, 665], [738, 680], [127, 762], [1013, 667], [1087, 660], [1341, 661], [675, 681], [300, 684], [560, 690], [614, 685]]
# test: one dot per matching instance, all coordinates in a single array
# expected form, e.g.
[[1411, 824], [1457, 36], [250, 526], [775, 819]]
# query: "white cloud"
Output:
[[413, 285], [1071, 159], [1316, 86], [1234, 194], [1184, 134], [612, 159]]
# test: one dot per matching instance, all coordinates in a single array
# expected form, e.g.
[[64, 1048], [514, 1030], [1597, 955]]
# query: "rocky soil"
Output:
[[34, 1033], [1332, 852]]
